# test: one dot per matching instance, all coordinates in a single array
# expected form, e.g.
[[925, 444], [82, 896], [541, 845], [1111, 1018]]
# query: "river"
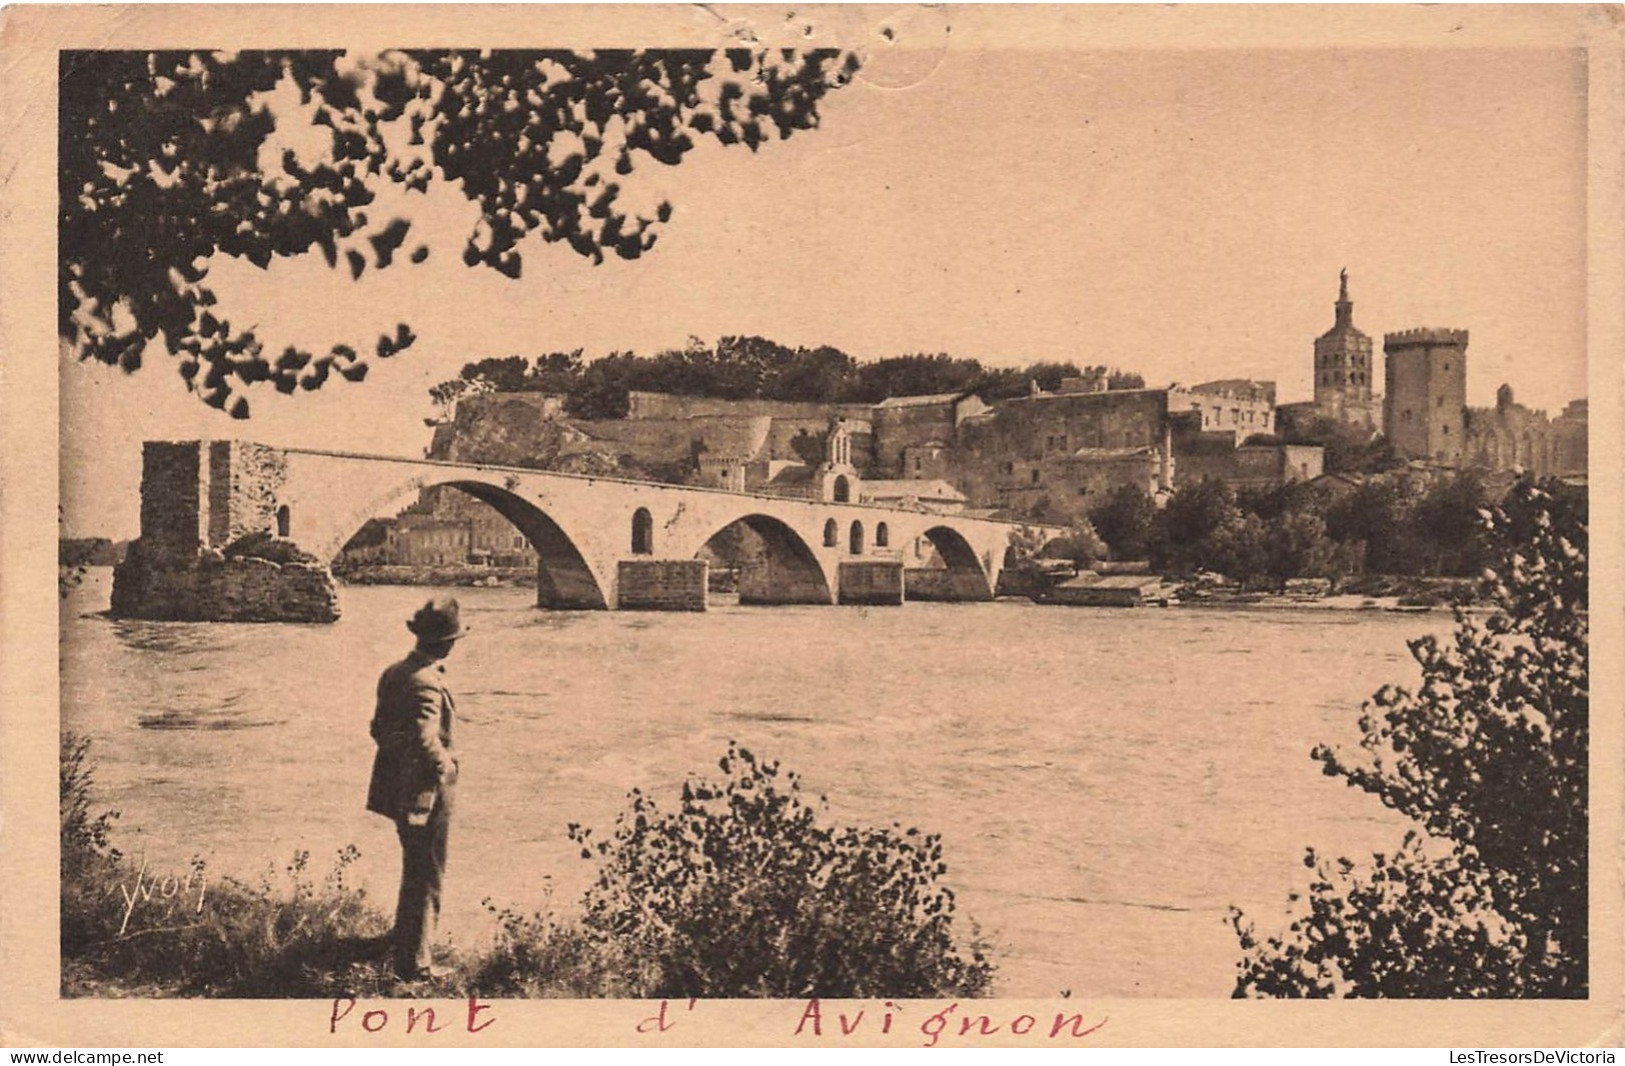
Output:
[[1106, 782]]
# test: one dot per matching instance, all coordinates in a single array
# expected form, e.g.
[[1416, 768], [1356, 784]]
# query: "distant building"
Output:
[[1051, 456], [663, 406], [1269, 466], [931, 461], [1424, 413], [1344, 372], [836, 479], [1510, 435], [913, 494], [427, 540], [902, 423], [1238, 405]]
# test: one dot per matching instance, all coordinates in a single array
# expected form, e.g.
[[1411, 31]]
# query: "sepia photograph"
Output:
[[828, 526]]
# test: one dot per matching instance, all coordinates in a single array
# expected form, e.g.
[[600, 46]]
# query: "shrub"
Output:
[[1080, 544], [84, 838], [537, 956], [745, 891], [274, 549], [1489, 757], [189, 935]]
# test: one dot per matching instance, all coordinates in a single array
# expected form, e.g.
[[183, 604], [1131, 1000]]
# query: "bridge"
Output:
[[237, 530]]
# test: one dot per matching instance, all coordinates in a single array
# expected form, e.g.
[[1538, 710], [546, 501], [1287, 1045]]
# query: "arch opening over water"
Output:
[[956, 573], [771, 562], [564, 581]]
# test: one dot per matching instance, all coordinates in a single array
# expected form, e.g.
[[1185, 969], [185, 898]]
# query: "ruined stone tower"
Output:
[[212, 545], [1424, 414], [1343, 365]]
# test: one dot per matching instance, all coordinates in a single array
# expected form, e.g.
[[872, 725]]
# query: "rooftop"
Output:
[[1112, 453], [920, 489], [928, 400]]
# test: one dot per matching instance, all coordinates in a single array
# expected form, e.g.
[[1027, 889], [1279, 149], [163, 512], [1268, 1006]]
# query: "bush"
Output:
[[189, 935], [537, 956], [1489, 757], [741, 893], [84, 838], [263, 545], [744, 891], [1080, 544]]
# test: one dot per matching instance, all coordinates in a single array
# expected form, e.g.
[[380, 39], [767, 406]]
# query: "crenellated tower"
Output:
[[1424, 413]]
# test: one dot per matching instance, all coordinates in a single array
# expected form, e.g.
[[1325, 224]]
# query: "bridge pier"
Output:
[[946, 585], [870, 583], [661, 585], [212, 545], [769, 581]]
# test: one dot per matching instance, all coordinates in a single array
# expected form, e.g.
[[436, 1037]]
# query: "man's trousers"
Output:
[[423, 864]]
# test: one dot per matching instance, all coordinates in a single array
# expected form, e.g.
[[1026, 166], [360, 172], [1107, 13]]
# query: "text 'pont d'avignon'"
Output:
[[816, 1022]]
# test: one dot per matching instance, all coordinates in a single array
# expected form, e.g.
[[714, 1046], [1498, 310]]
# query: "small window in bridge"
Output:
[[832, 533], [856, 544], [282, 521], [643, 532], [882, 535]]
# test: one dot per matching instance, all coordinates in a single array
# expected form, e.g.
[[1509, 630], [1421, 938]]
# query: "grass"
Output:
[[129, 931]]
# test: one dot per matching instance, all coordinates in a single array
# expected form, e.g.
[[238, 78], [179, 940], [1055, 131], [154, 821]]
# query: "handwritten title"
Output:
[[930, 1023]]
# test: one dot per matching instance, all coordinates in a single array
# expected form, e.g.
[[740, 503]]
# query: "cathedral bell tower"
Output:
[[1343, 366]]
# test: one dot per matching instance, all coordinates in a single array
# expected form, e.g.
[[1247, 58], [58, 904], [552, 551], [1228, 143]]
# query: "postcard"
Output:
[[830, 526]]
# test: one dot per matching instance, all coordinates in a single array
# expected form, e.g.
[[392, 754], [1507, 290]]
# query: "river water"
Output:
[[1106, 782]]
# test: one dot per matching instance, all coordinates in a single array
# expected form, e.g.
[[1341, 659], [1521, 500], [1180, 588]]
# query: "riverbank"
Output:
[[443, 576], [130, 930], [1133, 585], [1378, 593]]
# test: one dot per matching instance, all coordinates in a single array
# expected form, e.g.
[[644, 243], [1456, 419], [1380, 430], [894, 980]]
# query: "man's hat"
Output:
[[437, 620]]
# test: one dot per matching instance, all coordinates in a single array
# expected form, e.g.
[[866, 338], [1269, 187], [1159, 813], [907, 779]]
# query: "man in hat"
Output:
[[414, 776]]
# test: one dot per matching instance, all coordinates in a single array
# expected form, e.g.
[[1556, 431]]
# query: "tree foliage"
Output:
[[169, 158], [1125, 520], [755, 368], [745, 890], [1348, 449], [1304, 530], [1488, 756]]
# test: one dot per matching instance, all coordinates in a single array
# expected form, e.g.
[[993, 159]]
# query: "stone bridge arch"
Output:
[[778, 565], [566, 578], [964, 575]]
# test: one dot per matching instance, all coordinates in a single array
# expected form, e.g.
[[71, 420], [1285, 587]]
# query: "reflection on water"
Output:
[[1106, 783]]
